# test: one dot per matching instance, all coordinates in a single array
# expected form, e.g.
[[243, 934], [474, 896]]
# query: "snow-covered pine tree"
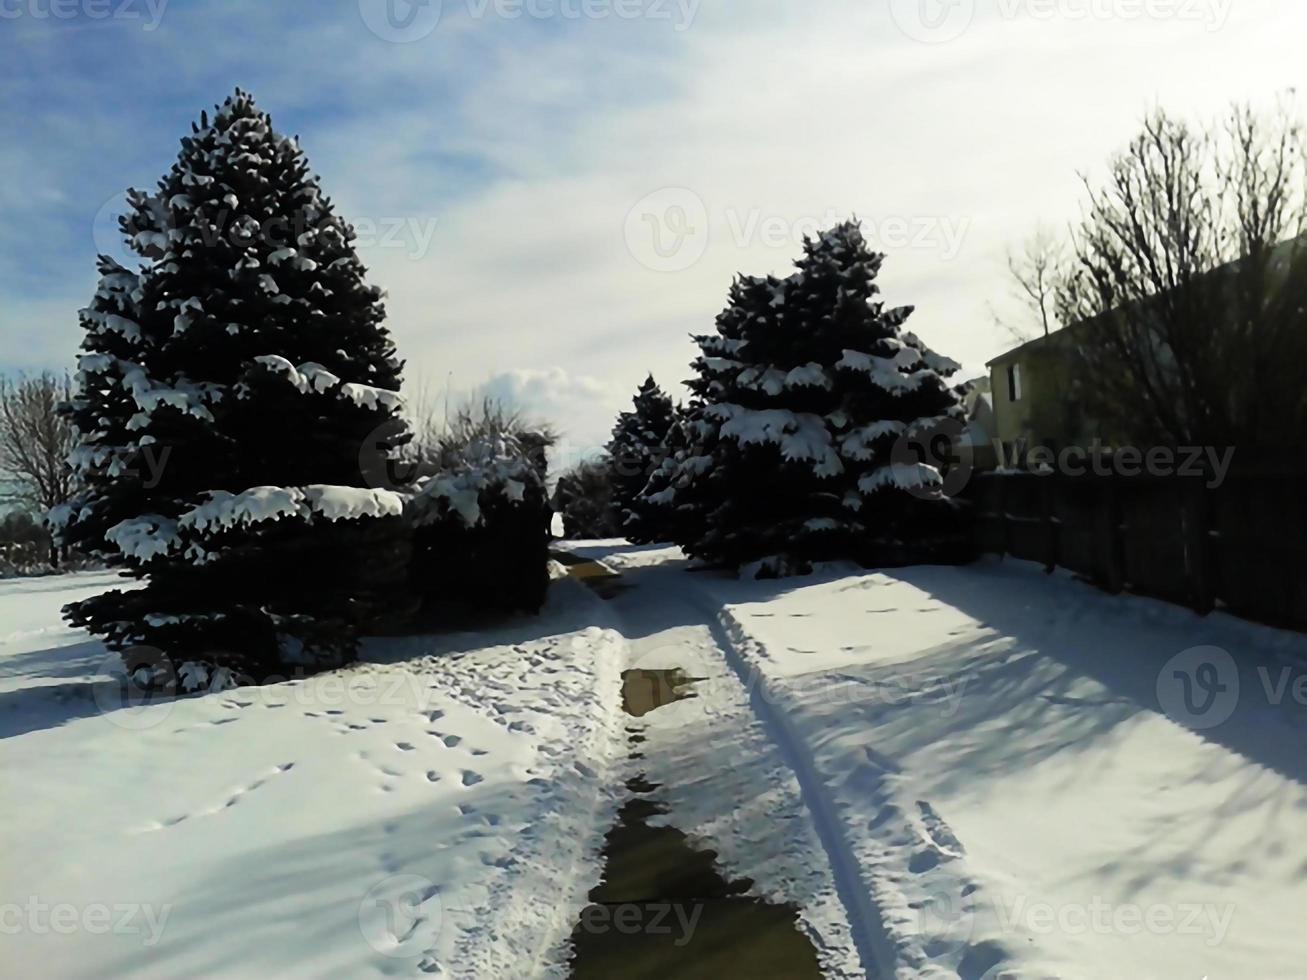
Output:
[[226, 393], [656, 504], [801, 396], [635, 451]]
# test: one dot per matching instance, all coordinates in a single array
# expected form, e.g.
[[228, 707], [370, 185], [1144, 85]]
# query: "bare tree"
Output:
[[1189, 269], [35, 440], [1035, 272]]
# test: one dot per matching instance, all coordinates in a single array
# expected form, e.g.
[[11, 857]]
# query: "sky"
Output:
[[555, 194]]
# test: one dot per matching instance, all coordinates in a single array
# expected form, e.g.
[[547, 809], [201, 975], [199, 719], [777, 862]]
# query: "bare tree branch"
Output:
[[1187, 266]]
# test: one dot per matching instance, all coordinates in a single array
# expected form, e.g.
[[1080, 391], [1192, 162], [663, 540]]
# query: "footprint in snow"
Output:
[[471, 778], [404, 746], [923, 861]]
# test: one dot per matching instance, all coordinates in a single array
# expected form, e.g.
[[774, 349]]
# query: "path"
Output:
[[716, 838]]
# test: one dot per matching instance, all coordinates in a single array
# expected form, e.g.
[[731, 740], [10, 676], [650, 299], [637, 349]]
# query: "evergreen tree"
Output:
[[584, 498], [663, 510], [800, 398], [635, 451], [226, 394]]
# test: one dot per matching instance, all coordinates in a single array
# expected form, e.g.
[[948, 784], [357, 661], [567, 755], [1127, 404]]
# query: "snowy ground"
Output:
[[969, 772], [427, 813], [1007, 775]]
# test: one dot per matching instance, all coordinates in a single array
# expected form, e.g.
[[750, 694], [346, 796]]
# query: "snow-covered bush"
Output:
[[584, 497], [635, 451], [800, 398], [481, 526], [226, 391]]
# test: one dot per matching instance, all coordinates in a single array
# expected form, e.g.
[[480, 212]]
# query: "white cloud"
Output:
[[528, 146], [580, 408]]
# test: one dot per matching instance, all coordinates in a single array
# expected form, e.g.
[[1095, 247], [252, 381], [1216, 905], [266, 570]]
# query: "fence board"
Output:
[[1241, 545]]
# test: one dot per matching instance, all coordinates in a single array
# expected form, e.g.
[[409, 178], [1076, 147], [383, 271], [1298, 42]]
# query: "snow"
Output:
[[799, 435], [809, 376], [487, 467], [436, 811], [952, 772], [113, 323], [941, 365], [143, 538], [310, 376], [366, 396], [313, 377], [886, 372], [904, 476], [226, 510], [859, 443], [1004, 773]]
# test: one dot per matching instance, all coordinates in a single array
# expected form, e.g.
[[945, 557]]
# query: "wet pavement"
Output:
[[664, 910]]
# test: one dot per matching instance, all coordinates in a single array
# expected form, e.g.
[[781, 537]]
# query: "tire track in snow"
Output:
[[875, 950], [875, 947]]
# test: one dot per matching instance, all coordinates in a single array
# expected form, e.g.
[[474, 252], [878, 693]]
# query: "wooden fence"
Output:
[[1241, 546]]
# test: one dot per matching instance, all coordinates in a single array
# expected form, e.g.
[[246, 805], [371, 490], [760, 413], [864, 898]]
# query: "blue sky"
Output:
[[506, 158]]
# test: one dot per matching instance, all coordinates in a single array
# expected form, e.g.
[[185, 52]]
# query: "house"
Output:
[[1033, 396]]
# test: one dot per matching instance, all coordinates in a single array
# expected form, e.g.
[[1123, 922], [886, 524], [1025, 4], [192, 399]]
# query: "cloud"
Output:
[[525, 146], [580, 408]]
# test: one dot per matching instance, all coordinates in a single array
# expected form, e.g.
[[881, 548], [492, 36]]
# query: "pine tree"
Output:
[[800, 398], [227, 392], [584, 499], [664, 511], [635, 451]]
